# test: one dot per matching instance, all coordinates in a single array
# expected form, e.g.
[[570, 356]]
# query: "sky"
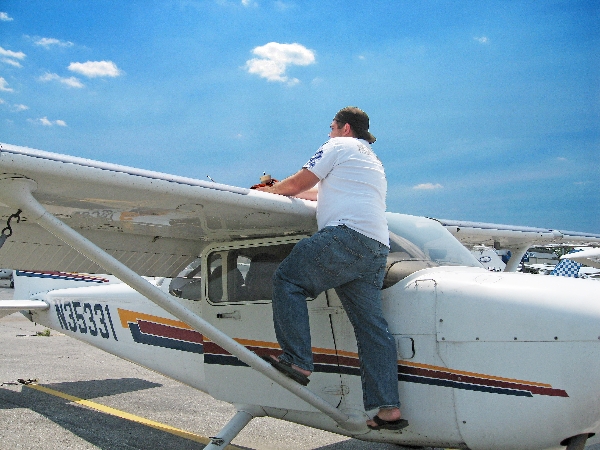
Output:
[[483, 111]]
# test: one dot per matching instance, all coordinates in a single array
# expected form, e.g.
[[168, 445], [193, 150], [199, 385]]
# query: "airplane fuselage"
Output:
[[476, 351]]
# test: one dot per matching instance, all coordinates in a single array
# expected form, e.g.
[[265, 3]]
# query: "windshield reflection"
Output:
[[417, 243]]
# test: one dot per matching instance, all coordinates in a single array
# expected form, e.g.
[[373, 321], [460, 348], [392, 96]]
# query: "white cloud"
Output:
[[428, 186], [482, 39], [48, 123], [71, 81], [12, 62], [11, 54], [20, 107], [283, 6], [93, 69], [11, 57], [274, 59], [4, 17], [47, 42], [4, 85]]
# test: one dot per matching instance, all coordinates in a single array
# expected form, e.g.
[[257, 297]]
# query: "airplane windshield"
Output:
[[417, 243]]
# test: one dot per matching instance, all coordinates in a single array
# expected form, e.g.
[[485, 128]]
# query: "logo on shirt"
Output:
[[363, 149], [312, 161], [367, 151]]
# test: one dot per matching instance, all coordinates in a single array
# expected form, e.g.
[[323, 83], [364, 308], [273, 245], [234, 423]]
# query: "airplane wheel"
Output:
[[577, 442]]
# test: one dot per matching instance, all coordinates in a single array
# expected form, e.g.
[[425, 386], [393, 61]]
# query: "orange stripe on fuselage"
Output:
[[127, 316], [275, 346], [471, 374]]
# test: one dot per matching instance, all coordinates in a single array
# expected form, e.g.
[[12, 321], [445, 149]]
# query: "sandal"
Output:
[[286, 368], [388, 424]]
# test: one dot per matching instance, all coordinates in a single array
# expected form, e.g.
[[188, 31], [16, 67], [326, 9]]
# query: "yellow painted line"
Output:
[[124, 415]]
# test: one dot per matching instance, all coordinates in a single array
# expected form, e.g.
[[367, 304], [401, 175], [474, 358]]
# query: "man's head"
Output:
[[357, 121]]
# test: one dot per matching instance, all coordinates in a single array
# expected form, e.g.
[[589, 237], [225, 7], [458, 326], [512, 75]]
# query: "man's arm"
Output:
[[298, 185]]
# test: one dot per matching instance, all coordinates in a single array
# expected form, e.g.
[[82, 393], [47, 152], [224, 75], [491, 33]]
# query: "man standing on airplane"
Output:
[[347, 254]]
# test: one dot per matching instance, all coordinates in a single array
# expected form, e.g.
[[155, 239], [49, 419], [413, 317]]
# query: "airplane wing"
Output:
[[154, 223], [507, 236], [157, 223], [517, 239]]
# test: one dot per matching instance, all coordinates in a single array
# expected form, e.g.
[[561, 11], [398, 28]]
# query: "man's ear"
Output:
[[347, 130]]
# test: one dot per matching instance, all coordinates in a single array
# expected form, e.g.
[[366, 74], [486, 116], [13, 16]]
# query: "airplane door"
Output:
[[347, 351], [237, 280]]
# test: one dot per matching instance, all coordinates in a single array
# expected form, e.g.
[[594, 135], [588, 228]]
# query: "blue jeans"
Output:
[[354, 265]]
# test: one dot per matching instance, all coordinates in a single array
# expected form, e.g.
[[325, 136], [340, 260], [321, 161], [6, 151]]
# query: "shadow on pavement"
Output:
[[97, 428]]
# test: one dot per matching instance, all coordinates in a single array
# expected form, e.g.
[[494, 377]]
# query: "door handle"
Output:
[[230, 315]]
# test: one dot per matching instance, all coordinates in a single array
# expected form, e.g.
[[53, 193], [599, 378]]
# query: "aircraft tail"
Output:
[[567, 267], [28, 283]]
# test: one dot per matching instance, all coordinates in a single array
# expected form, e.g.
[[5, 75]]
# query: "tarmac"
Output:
[[94, 400]]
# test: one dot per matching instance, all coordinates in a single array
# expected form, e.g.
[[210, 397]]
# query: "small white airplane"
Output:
[[488, 257], [588, 256], [486, 360]]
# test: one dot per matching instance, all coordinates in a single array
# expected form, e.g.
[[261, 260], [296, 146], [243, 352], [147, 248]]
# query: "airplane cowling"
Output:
[[528, 351]]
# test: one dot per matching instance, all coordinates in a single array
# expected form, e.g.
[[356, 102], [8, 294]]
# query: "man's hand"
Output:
[[298, 185], [261, 185]]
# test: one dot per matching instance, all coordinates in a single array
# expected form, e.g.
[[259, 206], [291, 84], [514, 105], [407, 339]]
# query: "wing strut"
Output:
[[517, 254], [17, 191]]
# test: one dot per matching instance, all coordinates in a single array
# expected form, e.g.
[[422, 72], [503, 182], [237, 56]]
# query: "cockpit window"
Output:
[[188, 283], [215, 274], [417, 243], [249, 273]]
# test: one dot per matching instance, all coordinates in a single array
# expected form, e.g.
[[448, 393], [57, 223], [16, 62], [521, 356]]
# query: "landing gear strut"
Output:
[[242, 417], [576, 442]]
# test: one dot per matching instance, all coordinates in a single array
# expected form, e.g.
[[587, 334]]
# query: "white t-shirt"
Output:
[[352, 187]]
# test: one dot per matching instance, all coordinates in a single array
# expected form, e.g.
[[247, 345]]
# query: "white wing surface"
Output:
[[153, 222], [507, 236], [514, 238], [157, 223]]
